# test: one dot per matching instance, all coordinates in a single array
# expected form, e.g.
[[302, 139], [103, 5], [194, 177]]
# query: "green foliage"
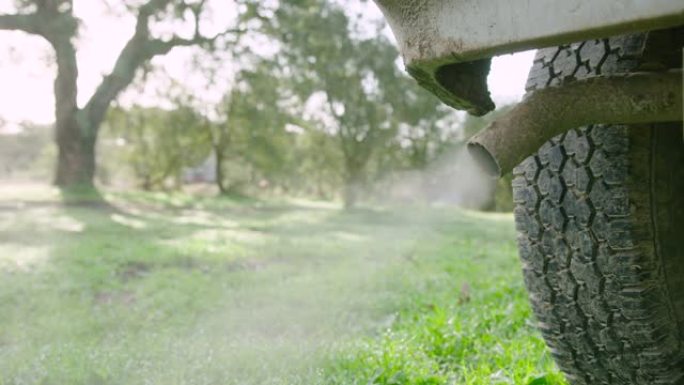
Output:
[[329, 115], [545, 380], [158, 144], [251, 142], [319, 162], [367, 103]]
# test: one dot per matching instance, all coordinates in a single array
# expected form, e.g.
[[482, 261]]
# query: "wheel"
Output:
[[600, 220]]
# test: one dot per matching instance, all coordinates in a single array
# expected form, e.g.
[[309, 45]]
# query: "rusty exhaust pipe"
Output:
[[653, 97]]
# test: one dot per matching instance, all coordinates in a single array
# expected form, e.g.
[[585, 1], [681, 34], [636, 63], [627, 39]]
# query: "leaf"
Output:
[[543, 380], [376, 375], [397, 378]]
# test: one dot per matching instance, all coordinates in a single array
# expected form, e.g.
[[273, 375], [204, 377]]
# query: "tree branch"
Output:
[[52, 19], [19, 22], [140, 49], [66, 89], [162, 47], [196, 10]]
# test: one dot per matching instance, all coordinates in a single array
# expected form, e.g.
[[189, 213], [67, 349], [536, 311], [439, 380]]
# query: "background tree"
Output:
[[159, 144], [348, 75], [426, 126], [77, 126], [318, 161], [250, 141]]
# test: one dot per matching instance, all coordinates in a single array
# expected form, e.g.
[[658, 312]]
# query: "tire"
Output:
[[600, 220]]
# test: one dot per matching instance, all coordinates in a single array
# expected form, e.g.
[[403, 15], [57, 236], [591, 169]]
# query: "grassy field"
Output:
[[170, 289]]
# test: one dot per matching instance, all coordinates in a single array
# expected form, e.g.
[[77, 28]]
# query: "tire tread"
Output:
[[586, 239]]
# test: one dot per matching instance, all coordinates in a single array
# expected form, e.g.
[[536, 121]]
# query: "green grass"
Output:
[[173, 289]]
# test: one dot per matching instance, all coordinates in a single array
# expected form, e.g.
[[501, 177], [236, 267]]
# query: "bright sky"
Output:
[[27, 72]]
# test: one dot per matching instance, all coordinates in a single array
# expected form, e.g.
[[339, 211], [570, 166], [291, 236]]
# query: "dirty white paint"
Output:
[[462, 30]]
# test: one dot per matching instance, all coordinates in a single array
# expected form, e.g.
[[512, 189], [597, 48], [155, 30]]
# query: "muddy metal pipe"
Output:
[[634, 98]]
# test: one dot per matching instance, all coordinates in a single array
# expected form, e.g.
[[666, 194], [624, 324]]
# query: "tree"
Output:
[[159, 143], [77, 127], [349, 74], [425, 125], [318, 161], [252, 129]]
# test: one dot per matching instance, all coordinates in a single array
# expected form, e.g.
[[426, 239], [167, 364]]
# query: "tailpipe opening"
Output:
[[484, 159]]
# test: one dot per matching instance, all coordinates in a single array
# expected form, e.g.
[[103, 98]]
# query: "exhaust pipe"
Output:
[[617, 99]]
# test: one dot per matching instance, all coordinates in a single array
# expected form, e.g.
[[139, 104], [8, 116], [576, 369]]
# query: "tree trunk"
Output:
[[74, 136], [76, 156], [350, 195], [352, 188], [146, 183], [223, 189]]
